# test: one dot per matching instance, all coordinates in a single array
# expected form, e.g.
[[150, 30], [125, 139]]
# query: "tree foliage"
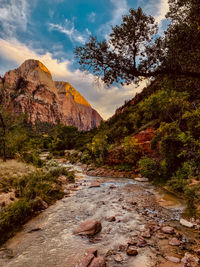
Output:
[[134, 51]]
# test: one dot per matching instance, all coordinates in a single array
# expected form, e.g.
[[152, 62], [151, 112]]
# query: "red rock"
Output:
[[31, 90], [112, 186], [167, 230], [98, 262], [85, 262], [90, 227], [174, 242], [92, 251], [190, 260], [95, 184], [146, 234]]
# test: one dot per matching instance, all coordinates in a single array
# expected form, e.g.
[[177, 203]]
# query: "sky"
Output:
[[49, 30]]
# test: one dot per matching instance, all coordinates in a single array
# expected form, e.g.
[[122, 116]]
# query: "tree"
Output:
[[10, 125], [133, 51]]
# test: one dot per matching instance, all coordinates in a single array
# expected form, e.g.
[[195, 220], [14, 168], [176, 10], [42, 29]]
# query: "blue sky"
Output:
[[49, 30]]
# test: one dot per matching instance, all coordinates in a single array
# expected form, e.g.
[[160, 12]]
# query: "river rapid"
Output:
[[48, 239]]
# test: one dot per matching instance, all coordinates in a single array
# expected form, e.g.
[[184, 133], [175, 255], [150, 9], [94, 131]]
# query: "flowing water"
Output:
[[48, 239]]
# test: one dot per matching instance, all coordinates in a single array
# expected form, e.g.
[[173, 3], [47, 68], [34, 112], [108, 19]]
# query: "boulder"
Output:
[[131, 251], [85, 262], [90, 227], [167, 230], [98, 262], [186, 223], [174, 242]]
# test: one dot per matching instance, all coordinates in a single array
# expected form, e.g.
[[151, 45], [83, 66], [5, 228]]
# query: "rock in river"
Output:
[[90, 227], [167, 230], [95, 184], [186, 223], [141, 179]]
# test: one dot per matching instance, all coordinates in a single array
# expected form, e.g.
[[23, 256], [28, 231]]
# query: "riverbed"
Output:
[[48, 239]]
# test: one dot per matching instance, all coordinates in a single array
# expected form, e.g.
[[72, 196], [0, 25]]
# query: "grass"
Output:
[[10, 171], [34, 191]]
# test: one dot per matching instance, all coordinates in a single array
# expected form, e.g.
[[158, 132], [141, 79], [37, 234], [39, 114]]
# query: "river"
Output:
[[48, 239]]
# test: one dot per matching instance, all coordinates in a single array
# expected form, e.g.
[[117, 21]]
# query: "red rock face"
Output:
[[144, 139], [32, 91]]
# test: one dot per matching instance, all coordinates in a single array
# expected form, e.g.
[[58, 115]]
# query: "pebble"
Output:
[[186, 223]]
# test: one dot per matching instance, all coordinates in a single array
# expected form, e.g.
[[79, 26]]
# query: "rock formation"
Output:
[[31, 90]]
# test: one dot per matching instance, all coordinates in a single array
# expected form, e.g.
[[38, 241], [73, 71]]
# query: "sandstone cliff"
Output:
[[31, 90]]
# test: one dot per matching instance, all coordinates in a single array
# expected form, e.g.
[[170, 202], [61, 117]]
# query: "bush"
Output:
[[148, 168], [32, 158], [13, 217]]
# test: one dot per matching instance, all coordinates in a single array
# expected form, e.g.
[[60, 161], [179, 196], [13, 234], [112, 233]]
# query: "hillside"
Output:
[[31, 90]]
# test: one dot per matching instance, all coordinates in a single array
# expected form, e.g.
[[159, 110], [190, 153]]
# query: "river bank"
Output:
[[138, 222]]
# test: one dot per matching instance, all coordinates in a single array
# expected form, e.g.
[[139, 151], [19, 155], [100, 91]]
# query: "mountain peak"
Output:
[[67, 89]]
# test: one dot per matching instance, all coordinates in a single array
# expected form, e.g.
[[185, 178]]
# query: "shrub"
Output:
[[148, 168]]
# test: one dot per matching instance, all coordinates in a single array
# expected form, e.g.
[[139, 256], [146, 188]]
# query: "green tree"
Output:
[[132, 50]]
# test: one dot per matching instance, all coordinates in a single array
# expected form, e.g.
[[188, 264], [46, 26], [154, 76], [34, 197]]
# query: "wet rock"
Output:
[[111, 219], [112, 186], [146, 234], [131, 251], [90, 227], [98, 262], [190, 260], [173, 259], [122, 247], [95, 184], [118, 258], [167, 230], [85, 262], [142, 243], [92, 251], [174, 242], [186, 223], [141, 179], [160, 236]]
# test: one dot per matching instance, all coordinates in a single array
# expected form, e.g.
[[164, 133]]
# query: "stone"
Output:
[[186, 223], [118, 258], [46, 101], [173, 259], [146, 234], [85, 261], [111, 219], [92, 251], [131, 251], [112, 186], [174, 242], [167, 230], [98, 262], [141, 179], [190, 260], [95, 184], [90, 227]]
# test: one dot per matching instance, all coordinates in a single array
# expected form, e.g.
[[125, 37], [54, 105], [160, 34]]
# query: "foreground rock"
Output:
[[90, 227], [98, 262], [190, 260], [186, 223]]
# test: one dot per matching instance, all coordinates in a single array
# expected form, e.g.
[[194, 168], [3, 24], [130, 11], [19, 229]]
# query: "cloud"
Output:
[[158, 9], [13, 16], [102, 99], [92, 17], [70, 30], [120, 8]]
